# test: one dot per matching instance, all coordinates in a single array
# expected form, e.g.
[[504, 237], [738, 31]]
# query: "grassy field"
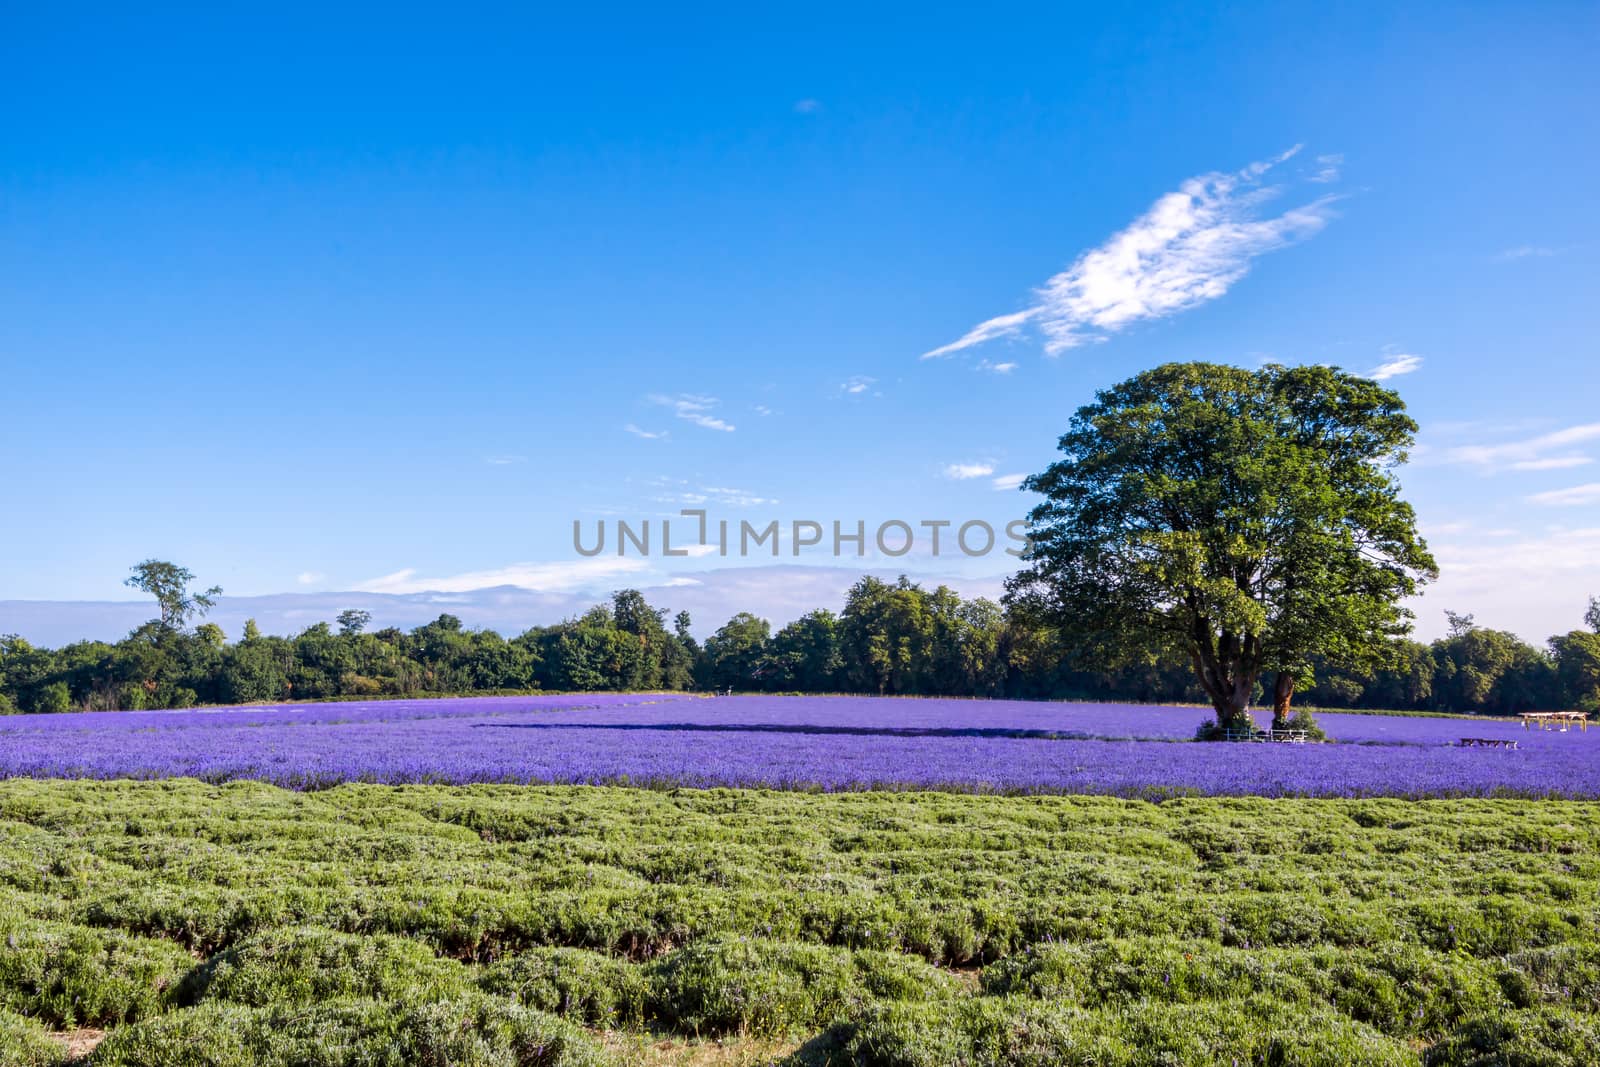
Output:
[[243, 924]]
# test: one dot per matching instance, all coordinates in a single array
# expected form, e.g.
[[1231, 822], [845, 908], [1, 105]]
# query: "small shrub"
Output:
[[764, 987], [1556, 975], [75, 976], [303, 965], [1018, 1032], [577, 984], [1539, 1038], [23, 1043], [1302, 719], [472, 1031]]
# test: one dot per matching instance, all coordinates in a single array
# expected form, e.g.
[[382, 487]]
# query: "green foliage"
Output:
[[69, 975], [1577, 669], [1540, 1038], [470, 1032], [892, 637], [238, 924], [53, 697], [169, 584], [578, 984], [804, 655], [762, 987], [352, 621], [23, 1043], [1248, 518], [1490, 668], [307, 965], [1400, 990], [1031, 1033], [734, 656]]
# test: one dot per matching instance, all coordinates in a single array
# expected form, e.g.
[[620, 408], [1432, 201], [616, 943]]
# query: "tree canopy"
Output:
[[169, 584], [1249, 518]]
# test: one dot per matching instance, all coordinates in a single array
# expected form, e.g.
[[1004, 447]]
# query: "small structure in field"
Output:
[[1560, 720], [1282, 736]]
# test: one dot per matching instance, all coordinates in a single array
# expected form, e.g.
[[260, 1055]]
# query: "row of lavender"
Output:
[[813, 742]]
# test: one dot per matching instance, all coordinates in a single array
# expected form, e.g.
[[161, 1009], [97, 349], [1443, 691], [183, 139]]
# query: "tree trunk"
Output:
[[1282, 693], [1235, 715]]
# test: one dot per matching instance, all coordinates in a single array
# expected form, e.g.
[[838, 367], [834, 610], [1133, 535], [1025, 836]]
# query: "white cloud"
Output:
[[1394, 366], [999, 326], [1528, 454], [1532, 584], [564, 576], [996, 368], [1552, 463], [648, 435], [739, 498], [504, 461], [1327, 169], [1009, 481], [857, 385], [1525, 252], [964, 471], [309, 577], [762, 410], [694, 408], [1189, 248], [713, 494], [1573, 496]]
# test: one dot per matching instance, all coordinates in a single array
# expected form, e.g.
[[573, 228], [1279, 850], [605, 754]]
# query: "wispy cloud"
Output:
[[964, 471], [1524, 252], [1189, 248], [504, 461], [996, 368], [1394, 366], [309, 577], [762, 410], [1575, 496], [648, 435], [541, 577], [683, 493], [739, 498], [1328, 167], [808, 106], [1549, 451], [1008, 481], [694, 408], [1552, 463], [857, 385]]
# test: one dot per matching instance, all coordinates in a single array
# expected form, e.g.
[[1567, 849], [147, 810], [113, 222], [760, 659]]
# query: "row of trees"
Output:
[[891, 638], [1207, 530]]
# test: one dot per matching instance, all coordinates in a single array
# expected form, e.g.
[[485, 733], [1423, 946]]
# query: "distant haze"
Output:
[[777, 594]]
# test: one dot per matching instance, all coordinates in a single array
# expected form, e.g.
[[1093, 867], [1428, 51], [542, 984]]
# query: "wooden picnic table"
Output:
[[1561, 720]]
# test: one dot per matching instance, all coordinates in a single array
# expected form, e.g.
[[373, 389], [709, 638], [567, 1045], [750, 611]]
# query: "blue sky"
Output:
[[383, 301]]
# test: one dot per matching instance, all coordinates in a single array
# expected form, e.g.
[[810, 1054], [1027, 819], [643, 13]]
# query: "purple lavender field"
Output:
[[794, 742]]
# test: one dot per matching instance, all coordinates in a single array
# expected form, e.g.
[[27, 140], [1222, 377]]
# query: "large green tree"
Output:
[[1250, 518], [735, 655]]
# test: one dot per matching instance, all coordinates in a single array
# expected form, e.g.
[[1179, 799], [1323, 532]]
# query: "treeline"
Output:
[[890, 638]]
